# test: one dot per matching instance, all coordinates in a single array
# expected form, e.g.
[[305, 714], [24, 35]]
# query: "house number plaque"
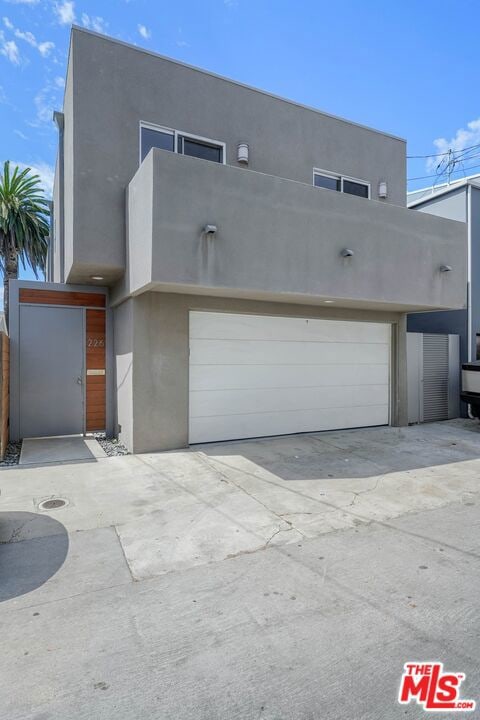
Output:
[[95, 342]]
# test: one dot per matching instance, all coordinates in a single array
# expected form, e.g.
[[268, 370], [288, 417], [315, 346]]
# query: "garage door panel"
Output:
[[224, 377], [206, 429], [219, 326], [253, 376], [274, 352], [229, 402]]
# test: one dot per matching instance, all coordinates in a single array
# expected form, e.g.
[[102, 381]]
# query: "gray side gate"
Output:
[[51, 370], [433, 362]]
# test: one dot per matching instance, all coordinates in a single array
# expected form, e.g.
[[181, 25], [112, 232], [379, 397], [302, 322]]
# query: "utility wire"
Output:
[[444, 172], [434, 155]]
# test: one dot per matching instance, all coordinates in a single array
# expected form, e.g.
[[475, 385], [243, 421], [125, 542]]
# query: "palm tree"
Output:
[[24, 228]]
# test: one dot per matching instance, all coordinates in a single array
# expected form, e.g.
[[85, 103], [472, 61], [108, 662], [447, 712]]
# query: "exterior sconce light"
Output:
[[210, 229], [346, 253], [242, 153], [382, 189], [445, 268]]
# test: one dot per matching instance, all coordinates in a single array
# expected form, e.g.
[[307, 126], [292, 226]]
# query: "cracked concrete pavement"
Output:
[[260, 578]]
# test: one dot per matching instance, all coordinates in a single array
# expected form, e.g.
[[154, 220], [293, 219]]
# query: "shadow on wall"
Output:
[[33, 547]]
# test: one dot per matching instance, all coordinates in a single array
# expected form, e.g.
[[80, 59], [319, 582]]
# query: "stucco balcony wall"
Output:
[[282, 240]]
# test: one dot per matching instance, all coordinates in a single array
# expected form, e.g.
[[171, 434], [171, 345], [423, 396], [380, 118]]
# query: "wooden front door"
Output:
[[95, 416]]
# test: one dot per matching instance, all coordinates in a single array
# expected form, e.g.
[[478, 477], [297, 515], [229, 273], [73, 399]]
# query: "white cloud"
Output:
[[20, 134], [27, 36], [44, 48], [43, 170], [463, 138], [94, 23], [23, 2], [231, 3], [59, 81], [65, 12], [9, 49], [144, 31]]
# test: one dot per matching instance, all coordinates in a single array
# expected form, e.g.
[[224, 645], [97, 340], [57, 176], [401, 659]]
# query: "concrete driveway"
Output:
[[280, 578]]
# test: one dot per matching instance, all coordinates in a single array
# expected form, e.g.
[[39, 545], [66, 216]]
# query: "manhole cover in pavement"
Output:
[[53, 504]]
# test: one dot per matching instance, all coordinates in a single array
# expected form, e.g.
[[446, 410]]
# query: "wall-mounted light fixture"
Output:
[[210, 229], [242, 153], [347, 253], [445, 268], [97, 277], [382, 189]]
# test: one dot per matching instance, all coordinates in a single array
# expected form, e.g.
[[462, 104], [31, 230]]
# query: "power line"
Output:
[[439, 175], [424, 157]]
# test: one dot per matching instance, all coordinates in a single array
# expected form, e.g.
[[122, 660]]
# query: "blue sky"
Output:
[[406, 67]]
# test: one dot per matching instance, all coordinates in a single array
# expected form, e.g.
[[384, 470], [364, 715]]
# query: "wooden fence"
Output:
[[4, 391]]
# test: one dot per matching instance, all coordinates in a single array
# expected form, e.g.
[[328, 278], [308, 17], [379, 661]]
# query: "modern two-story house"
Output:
[[232, 263]]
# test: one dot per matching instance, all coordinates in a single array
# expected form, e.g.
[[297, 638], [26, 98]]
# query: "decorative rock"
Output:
[[111, 445]]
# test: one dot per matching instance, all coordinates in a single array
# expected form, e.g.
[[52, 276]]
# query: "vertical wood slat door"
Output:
[[95, 371]]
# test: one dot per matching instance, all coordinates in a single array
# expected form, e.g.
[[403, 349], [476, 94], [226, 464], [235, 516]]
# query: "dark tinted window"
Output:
[[354, 188], [324, 181], [155, 138], [199, 149]]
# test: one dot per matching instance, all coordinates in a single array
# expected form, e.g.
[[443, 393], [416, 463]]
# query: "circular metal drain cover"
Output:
[[53, 504]]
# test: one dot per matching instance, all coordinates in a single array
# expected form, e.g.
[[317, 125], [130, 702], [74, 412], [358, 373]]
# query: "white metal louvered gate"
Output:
[[433, 377]]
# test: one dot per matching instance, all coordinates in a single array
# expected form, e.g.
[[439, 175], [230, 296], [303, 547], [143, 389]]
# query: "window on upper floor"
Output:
[[150, 138], [199, 148], [330, 182], [175, 141], [340, 183]]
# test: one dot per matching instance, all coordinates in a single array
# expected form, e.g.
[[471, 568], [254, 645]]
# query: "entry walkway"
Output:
[[38, 451]]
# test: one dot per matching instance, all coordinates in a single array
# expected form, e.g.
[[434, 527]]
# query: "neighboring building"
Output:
[[459, 200], [259, 258]]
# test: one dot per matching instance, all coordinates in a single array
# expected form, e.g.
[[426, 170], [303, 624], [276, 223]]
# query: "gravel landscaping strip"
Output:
[[12, 454], [111, 446]]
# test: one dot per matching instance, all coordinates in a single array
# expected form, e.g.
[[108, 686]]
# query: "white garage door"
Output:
[[252, 375]]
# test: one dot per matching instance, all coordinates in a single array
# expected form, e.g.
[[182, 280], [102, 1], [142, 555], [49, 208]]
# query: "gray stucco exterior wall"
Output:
[[111, 87], [153, 361], [277, 238]]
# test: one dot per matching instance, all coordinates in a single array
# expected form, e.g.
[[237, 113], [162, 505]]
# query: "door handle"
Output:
[[79, 380]]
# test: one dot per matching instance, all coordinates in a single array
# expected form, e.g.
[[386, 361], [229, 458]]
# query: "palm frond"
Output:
[[24, 212]]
